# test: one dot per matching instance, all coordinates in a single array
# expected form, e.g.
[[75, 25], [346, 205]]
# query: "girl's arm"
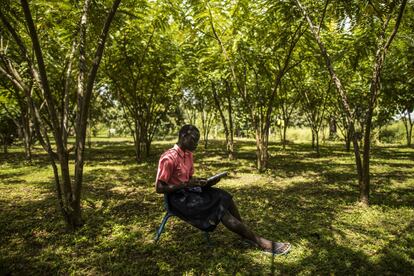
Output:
[[163, 187]]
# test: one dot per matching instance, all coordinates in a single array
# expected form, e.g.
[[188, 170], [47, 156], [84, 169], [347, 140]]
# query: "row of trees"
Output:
[[244, 62]]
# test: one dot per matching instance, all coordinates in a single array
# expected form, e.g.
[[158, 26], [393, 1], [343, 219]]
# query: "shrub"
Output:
[[393, 133]]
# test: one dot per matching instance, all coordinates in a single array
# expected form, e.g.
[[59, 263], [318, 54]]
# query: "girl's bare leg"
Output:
[[238, 227]]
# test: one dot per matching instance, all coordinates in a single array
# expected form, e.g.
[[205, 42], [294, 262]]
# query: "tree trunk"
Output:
[[68, 195], [137, 141], [313, 138], [27, 139], [348, 138], [332, 129], [89, 132], [228, 130], [259, 146], [5, 145], [205, 140], [374, 88], [84, 99], [206, 120], [27, 145], [266, 148], [357, 152], [230, 143], [80, 122], [147, 147], [146, 141], [408, 124], [62, 154], [23, 126], [341, 91], [364, 188], [284, 142], [317, 143], [262, 140]]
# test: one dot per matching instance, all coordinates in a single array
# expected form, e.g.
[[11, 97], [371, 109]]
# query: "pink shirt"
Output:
[[175, 166]]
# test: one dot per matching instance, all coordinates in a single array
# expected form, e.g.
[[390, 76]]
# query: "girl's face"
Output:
[[190, 141]]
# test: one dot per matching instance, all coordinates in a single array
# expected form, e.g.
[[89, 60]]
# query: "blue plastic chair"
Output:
[[169, 214]]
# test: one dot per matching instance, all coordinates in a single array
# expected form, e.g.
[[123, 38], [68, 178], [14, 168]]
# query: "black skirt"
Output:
[[202, 208]]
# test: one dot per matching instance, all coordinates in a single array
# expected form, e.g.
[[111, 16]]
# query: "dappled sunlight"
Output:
[[310, 202]]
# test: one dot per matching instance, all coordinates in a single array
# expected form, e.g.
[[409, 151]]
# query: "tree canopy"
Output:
[[233, 67]]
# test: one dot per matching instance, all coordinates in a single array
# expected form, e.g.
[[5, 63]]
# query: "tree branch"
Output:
[[323, 16], [379, 15], [42, 70]]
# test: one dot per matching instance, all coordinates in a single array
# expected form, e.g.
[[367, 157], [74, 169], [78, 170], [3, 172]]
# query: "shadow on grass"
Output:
[[12, 178], [301, 213], [29, 224], [304, 214], [122, 212]]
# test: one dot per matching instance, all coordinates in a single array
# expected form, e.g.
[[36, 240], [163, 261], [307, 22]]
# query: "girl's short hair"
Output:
[[187, 129]]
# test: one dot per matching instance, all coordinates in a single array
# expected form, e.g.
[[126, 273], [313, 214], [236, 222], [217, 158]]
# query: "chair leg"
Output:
[[161, 228]]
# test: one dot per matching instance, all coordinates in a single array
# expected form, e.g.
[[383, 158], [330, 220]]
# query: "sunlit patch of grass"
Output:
[[308, 201]]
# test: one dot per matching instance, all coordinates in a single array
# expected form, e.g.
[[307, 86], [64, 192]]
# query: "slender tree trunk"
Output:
[[357, 154], [266, 148], [71, 209], [89, 131], [85, 99], [323, 135], [318, 153], [374, 88], [332, 128], [230, 143], [147, 147], [60, 196], [204, 124], [27, 133], [408, 124], [23, 127], [284, 142], [262, 141], [259, 147], [4, 145], [364, 189], [223, 121], [206, 121], [410, 133], [276, 85], [80, 124], [145, 140], [136, 134], [66, 95], [228, 130], [27, 143], [62, 154], [348, 138], [313, 138]]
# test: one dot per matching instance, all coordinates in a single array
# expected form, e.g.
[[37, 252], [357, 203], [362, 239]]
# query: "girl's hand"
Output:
[[194, 182]]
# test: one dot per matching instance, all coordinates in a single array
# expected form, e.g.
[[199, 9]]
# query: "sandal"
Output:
[[278, 248]]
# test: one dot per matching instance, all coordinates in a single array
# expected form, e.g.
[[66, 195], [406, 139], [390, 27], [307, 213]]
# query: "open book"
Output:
[[211, 180]]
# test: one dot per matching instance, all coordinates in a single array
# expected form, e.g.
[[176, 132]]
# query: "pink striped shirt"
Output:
[[175, 166]]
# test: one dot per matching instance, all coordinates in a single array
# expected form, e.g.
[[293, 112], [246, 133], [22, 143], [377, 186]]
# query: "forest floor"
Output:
[[310, 202]]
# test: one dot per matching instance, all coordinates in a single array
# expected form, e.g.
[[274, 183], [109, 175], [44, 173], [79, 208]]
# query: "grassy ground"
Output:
[[308, 201]]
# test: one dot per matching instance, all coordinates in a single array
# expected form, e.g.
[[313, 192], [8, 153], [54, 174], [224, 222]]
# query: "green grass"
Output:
[[308, 201]]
